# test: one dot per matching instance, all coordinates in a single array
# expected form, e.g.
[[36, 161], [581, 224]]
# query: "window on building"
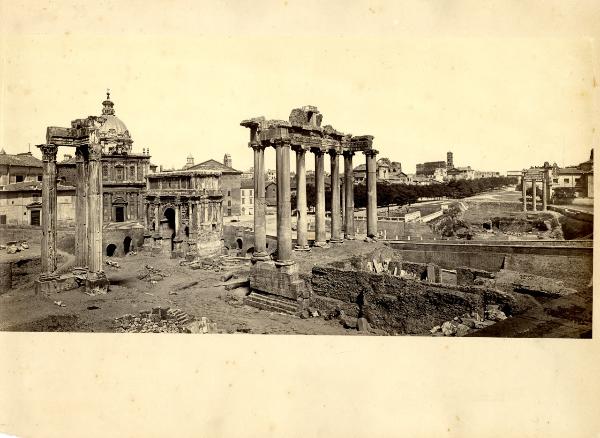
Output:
[[251, 201], [228, 192], [132, 172], [119, 214], [229, 203], [2, 219], [39, 177], [566, 180], [577, 180], [105, 172], [19, 178], [35, 218], [555, 180], [229, 212], [243, 200], [119, 174]]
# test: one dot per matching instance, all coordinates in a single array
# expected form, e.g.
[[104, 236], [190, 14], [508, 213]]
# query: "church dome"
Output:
[[113, 127]]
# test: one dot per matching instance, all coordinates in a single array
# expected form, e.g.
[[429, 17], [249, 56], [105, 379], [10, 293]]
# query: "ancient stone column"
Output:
[[81, 248], [156, 218], [96, 281], [371, 193], [320, 231], [260, 224], [49, 208], [284, 214], [336, 216], [349, 194], [302, 220], [524, 191], [545, 191], [343, 202], [534, 194]]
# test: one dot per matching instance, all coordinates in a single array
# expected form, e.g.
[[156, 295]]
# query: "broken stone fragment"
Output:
[[448, 329], [436, 329], [462, 330], [363, 325]]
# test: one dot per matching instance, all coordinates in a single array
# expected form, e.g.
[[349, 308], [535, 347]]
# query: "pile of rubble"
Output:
[[15, 246], [216, 264], [157, 320], [463, 325], [151, 274]]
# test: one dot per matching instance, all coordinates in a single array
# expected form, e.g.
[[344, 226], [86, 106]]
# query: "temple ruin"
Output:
[[304, 133], [534, 176]]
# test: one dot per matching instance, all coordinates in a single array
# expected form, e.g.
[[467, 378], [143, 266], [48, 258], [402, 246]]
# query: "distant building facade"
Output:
[[247, 189], [19, 168], [230, 183]]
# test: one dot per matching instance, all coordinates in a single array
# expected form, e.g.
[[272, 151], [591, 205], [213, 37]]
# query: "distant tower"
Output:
[[227, 160], [189, 162], [449, 160]]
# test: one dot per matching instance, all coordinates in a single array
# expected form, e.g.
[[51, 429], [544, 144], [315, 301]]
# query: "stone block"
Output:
[[282, 280]]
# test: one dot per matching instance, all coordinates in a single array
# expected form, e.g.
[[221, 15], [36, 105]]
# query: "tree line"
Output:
[[402, 194]]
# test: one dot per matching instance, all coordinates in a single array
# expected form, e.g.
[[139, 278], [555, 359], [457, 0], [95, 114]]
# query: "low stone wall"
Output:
[[400, 305]]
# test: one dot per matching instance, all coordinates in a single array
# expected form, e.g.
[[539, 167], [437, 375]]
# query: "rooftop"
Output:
[[24, 159]]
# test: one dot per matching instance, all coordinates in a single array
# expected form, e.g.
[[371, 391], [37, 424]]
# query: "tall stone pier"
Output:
[[349, 195], [301, 209], [49, 209], [524, 191], [320, 230], [81, 208], [284, 206], [371, 193], [336, 216], [260, 224]]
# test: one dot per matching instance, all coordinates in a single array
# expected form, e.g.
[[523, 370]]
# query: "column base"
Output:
[[284, 262], [96, 283], [319, 244], [301, 248], [47, 284], [336, 240], [349, 237], [260, 257], [282, 280]]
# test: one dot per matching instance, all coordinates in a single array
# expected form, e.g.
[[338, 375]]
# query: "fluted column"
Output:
[[302, 220], [81, 248], [534, 194], [335, 197], [320, 231], [524, 190], [94, 207], [156, 218], [49, 208], [349, 194], [260, 224], [343, 202], [284, 213], [371, 193]]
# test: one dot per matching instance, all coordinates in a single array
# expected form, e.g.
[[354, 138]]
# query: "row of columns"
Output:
[[88, 210], [534, 180], [341, 205]]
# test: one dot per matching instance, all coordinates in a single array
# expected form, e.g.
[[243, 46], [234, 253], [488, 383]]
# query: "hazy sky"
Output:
[[502, 91]]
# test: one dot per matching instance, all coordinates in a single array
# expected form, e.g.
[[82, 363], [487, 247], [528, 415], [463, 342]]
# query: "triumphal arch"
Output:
[[303, 133]]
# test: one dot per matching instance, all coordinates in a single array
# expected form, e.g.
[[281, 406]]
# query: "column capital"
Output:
[[282, 142], [333, 153], [256, 145], [48, 152], [299, 149], [348, 153], [371, 152], [317, 151]]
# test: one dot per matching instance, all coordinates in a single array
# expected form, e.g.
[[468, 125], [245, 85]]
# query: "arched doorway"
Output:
[[187, 231], [111, 249], [250, 251], [240, 243], [126, 245], [169, 215]]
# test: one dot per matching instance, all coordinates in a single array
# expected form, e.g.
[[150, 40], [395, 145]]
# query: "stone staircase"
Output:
[[272, 303], [180, 316]]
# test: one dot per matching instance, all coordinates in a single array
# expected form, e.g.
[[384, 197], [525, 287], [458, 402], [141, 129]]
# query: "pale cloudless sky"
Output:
[[503, 86]]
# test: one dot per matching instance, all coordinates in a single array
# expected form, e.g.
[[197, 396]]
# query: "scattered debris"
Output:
[[157, 320], [151, 274], [242, 282], [113, 264], [202, 326], [463, 325], [363, 325], [60, 304]]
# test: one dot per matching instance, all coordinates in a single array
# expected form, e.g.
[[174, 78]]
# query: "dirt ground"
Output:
[[198, 293]]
